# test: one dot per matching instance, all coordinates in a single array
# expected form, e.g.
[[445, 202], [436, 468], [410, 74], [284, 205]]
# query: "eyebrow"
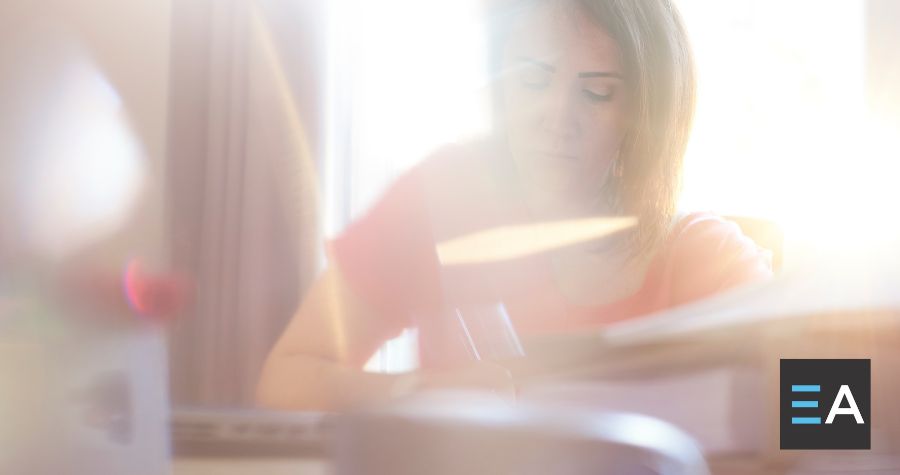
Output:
[[600, 74], [540, 64], [585, 74]]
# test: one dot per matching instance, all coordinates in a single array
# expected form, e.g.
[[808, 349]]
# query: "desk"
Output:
[[248, 466], [858, 464]]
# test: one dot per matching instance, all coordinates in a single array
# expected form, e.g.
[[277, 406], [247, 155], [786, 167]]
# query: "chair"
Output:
[[765, 233]]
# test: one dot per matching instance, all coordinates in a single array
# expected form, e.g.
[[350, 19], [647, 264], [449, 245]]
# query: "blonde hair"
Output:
[[659, 69]]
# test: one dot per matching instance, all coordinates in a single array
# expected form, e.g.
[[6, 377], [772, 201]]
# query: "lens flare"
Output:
[[85, 170], [510, 242], [159, 296]]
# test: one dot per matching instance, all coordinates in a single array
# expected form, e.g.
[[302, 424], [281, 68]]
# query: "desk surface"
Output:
[[736, 465], [254, 466]]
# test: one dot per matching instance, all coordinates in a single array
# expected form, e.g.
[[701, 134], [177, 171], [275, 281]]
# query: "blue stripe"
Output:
[[806, 420], [805, 388], [804, 403]]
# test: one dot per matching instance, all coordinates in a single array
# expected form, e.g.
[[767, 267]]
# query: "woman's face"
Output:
[[564, 105]]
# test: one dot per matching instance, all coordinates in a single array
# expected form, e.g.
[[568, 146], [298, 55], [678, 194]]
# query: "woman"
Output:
[[594, 105]]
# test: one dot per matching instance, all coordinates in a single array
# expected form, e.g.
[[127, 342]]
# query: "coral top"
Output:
[[389, 256]]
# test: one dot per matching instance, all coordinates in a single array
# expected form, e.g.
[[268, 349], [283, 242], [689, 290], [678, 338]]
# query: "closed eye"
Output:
[[535, 78], [595, 97], [535, 74]]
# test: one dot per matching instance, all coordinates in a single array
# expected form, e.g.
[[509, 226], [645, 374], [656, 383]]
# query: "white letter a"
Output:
[[836, 408]]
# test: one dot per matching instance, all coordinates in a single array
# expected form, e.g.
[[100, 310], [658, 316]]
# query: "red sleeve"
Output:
[[708, 254], [388, 256]]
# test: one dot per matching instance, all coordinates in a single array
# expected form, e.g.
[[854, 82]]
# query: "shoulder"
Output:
[[443, 171], [706, 253], [437, 172], [461, 189], [458, 161]]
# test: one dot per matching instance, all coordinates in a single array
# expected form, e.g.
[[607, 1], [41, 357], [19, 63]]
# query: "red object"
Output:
[[161, 295], [130, 291]]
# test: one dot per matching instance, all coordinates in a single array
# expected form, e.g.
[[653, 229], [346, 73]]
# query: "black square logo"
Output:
[[825, 404]]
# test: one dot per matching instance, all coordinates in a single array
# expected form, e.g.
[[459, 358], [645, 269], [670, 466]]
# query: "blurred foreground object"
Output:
[[459, 433], [132, 291], [83, 377], [84, 403]]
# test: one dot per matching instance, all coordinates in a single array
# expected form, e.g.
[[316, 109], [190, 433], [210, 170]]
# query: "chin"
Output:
[[553, 182]]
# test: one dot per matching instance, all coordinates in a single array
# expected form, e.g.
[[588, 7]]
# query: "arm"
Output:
[[317, 362], [383, 264]]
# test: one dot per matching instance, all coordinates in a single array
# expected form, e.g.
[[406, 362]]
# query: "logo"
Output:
[[825, 404]]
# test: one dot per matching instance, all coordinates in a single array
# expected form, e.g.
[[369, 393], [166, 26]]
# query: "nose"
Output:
[[559, 115]]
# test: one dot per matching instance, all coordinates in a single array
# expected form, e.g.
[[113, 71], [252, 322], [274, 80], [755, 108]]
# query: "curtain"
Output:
[[243, 131]]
